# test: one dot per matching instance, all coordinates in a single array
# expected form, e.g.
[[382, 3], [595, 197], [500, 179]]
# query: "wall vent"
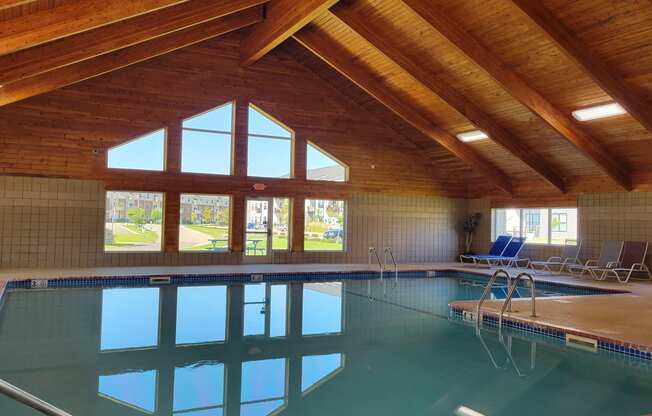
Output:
[[160, 280], [582, 343], [257, 277]]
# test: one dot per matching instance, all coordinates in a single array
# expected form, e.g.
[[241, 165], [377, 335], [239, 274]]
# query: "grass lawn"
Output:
[[215, 232], [137, 236], [313, 244]]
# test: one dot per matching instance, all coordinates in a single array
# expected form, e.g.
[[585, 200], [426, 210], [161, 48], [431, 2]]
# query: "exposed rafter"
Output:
[[70, 18], [453, 98], [103, 64], [67, 51], [283, 18], [8, 4], [520, 90], [320, 43], [600, 72]]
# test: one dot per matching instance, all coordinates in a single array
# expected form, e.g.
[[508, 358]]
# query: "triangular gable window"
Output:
[[146, 152], [323, 167]]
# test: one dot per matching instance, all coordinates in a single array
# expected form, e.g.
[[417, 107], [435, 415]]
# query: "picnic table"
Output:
[[215, 241], [255, 246]]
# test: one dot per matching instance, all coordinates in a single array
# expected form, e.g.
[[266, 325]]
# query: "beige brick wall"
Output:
[[47, 222]]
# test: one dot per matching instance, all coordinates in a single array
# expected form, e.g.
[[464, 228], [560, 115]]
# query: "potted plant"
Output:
[[470, 225]]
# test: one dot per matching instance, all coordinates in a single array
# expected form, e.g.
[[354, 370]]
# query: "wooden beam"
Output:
[[283, 18], [103, 64], [520, 90], [319, 42], [457, 101], [8, 4], [70, 18], [67, 51], [612, 83]]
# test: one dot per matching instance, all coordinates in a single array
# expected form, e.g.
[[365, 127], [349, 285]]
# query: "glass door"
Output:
[[258, 232]]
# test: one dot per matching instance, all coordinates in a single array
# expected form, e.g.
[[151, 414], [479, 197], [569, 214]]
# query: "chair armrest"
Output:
[[590, 262], [613, 264], [639, 266], [555, 258]]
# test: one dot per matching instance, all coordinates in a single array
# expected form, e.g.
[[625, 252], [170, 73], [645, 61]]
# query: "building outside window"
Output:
[[538, 225], [133, 221]]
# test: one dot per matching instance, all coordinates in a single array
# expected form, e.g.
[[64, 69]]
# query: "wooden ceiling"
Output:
[[515, 69]]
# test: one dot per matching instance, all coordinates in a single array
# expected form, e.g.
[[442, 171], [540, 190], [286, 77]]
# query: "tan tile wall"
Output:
[[47, 222]]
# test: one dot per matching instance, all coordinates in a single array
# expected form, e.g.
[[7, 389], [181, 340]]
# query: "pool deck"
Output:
[[616, 318]]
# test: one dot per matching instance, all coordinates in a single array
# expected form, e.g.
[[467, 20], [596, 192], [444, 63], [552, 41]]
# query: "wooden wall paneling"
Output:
[[298, 223], [238, 222], [103, 64], [518, 88], [86, 45], [171, 221], [319, 42], [173, 147], [603, 75], [70, 18], [467, 108], [240, 137], [283, 18]]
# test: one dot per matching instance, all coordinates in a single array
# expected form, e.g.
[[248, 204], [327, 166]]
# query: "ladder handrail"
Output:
[[487, 289], [391, 254], [30, 400], [372, 250], [508, 299]]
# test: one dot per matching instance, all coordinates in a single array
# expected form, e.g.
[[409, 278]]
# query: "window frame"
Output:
[[564, 223], [165, 153], [346, 167], [292, 140], [345, 226], [163, 221], [208, 131], [229, 248], [522, 223]]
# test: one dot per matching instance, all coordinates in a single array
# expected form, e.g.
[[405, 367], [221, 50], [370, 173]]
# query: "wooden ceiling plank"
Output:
[[522, 91], [612, 83], [452, 97], [71, 18], [8, 4], [283, 18], [106, 63], [319, 42], [67, 51]]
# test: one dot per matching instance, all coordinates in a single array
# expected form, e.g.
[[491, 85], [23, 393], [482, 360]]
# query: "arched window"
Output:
[[269, 149]]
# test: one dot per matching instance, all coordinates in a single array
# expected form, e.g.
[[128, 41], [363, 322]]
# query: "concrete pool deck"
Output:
[[619, 318]]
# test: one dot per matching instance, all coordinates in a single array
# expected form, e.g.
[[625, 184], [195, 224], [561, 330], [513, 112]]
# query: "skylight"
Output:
[[599, 111], [472, 136]]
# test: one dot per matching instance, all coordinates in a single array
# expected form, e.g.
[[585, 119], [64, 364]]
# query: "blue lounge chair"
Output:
[[497, 250], [510, 256]]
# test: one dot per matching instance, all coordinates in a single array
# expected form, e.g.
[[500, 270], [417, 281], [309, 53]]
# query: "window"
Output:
[[206, 142], [325, 222], [323, 167], [130, 318], [204, 222], [143, 153], [539, 225], [269, 149], [281, 224], [133, 221]]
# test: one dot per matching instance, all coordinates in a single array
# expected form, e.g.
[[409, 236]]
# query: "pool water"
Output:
[[351, 347]]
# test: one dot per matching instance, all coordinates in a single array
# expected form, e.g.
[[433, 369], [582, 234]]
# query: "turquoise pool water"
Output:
[[352, 347]]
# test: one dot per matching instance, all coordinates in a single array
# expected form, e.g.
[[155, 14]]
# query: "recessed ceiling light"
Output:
[[472, 136], [599, 111]]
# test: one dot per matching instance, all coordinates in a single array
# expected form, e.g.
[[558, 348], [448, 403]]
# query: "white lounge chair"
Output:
[[632, 261], [609, 258], [569, 256]]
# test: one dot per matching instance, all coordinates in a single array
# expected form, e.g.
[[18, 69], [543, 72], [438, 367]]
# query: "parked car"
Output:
[[331, 234]]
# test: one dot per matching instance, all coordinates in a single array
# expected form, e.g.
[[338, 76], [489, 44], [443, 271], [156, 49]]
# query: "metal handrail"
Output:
[[372, 250], [30, 400], [508, 299], [487, 289], [391, 255]]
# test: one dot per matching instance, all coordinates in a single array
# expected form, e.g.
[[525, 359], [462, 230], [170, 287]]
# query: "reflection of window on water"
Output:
[[265, 310], [264, 388], [199, 390], [136, 390], [130, 318], [322, 308], [316, 369], [194, 304]]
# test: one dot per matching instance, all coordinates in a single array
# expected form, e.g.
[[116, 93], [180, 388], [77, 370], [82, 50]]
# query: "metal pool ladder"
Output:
[[508, 299], [487, 290], [388, 250], [374, 253], [30, 400]]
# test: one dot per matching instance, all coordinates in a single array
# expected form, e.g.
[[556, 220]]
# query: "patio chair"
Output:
[[497, 249], [631, 261], [609, 258], [509, 258], [569, 255]]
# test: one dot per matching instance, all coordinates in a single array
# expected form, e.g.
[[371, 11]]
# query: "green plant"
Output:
[[136, 216]]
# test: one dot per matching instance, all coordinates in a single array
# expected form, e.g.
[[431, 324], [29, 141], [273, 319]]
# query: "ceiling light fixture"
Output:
[[599, 111], [472, 136]]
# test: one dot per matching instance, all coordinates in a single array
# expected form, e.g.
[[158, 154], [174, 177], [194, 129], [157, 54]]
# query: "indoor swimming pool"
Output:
[[287, 346]]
